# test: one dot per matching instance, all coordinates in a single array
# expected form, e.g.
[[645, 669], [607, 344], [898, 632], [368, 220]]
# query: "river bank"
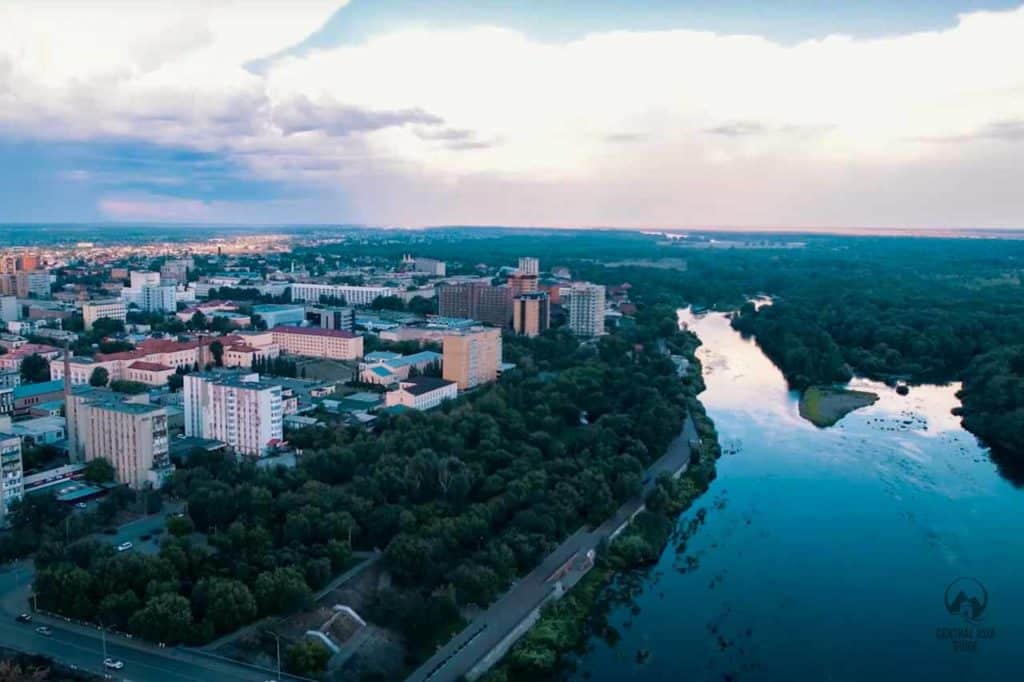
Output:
[[565, 624], [820, 553]]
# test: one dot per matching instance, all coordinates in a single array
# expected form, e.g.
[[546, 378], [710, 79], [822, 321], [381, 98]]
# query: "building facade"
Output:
[[421, 393], [477, 300], [531, 314], [586, 309], [12, 488], [352, 295], [472, 357], [95, 310], [529, 266], [238, 409], [319, 343]]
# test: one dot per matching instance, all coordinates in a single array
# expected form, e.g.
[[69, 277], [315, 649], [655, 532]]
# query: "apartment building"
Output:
[[586, 308], [531, 314], [128, 432], [476, 300], [95, 310], [430, 266], [10, 309], [239, 409], [12, 486], [319, 343], [472, 357], [522, 284], [422, 393], [148, 293], [176, 270], [352, 295], [529, 266]]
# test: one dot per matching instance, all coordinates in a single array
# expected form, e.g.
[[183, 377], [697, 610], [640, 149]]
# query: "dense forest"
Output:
[[462, 500], [896, 308]]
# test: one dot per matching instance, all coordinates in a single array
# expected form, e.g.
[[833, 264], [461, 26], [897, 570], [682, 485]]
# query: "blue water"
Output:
[[825, 554]]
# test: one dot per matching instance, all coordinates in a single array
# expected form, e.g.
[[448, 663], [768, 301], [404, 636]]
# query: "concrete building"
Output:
[[529, 266], [12, 488], [274, 315], [522, 284], [149, 373], [14, 359], [34, 284], [176, 270], [148, 293], [10, 309], [6, 401], [342, 318], [352, 295], [252, 346], [9, 378], [531, 314], [238, 409], [430, 266], [422, 393], [95, 310], [25, 396], [476, 300], [586, 308], [130, 435], [472, 357], [319, 343], [386, 368]]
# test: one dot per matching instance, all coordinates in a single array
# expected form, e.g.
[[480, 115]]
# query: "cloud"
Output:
[[153, 208], [484, 124], [300, 115]]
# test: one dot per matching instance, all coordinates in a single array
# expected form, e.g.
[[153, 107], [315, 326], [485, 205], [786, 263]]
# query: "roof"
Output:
[[32, 349], [313, 331], [381, 371], [276, 307], [381, 355], [30, 390], [149, 366], [423, 385]]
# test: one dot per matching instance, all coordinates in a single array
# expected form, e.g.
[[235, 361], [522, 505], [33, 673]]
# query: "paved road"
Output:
[[82, 646], [466, 649]]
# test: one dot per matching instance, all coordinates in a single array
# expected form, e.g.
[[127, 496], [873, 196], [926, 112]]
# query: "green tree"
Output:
[[217, 350], [99, 377], [165, 618], [227, 604], [307, 658], [180, 526], [99, 470], [34, 369], [282, 590]]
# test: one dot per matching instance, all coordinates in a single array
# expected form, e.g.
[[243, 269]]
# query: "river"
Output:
[[826, 554]]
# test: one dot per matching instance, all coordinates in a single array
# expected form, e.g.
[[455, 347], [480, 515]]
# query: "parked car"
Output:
[[81, 505], [124, 546], [24, 618], [43, 630], [113, 663]]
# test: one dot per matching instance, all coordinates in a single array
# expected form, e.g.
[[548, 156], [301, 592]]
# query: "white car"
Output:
[[113, 663], [124, 546]]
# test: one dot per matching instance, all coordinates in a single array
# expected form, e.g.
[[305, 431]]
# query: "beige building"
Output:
[[334, 344], [531, 314], [128, 432], [472, 356], [94, 310]]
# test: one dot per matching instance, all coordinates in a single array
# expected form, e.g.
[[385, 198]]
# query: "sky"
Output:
[[610, 113]]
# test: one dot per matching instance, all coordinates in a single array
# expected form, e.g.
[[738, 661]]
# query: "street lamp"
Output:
[[277, 639], [103, 636]]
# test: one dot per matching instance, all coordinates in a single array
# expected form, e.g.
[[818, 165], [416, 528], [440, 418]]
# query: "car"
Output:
[[81, 505], [124, 546], [113, 663], [43, 630], [24, 618]]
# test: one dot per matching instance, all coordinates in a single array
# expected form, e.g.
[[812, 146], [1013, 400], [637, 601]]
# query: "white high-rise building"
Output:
[[12, 486], [529, 266], [586, 309], [238, 409], [148, 293]]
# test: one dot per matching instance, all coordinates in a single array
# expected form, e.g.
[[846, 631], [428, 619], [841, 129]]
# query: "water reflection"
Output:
[[823, 553]]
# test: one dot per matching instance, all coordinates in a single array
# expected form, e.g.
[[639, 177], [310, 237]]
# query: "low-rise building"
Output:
[[95, 310], [351, 295], [319, 343], [14, 359], [422, 393], [26, 396], [274, 315], [385, 368]]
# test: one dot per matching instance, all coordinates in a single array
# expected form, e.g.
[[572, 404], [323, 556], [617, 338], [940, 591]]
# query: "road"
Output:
[[78, 645], [456, 658]]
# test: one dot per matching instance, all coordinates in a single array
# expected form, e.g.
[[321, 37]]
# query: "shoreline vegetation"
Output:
[[545, 652], [824, 406]]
